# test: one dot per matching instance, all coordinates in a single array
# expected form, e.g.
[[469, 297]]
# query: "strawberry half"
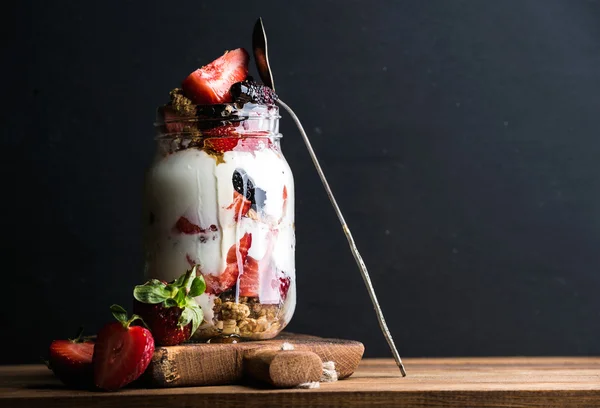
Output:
[[170, 310], [211, 83], [218, 284], [71, 362], [122, 352]]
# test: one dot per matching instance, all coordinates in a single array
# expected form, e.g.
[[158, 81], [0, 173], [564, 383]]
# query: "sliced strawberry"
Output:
[[227, 144], [221, 131], [71, 362], [211, 83], [249, 279], [185, 226], [218, 284], [245, 243], [241, 205], [122, 352], [221, 144]]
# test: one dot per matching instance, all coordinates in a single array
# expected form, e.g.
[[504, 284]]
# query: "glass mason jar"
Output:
[[220, 195]]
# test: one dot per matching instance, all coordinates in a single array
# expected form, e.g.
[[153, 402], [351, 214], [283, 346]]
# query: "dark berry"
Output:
[[247, 91], [243, 184]]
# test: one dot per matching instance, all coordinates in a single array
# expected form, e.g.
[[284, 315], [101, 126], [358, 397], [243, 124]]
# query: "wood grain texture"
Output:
[[451, 382], [283, 368], [217, 364]]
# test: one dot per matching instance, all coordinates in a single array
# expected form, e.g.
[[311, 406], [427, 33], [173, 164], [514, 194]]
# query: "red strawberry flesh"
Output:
[[244, 247], [241, 205], [218, 284], [121, 355], [221, 144], [185, 226], [211, 83], [71, 362], [249, 279]]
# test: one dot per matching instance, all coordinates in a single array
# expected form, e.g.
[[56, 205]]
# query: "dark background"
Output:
[[461, 138]]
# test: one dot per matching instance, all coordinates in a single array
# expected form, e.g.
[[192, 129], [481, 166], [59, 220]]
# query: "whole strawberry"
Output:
[[169, 309], [71, 361], [122, 352]]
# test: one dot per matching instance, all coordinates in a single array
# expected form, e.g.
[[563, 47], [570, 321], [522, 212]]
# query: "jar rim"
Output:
[[217, 112], [237, 135], [218, 120]]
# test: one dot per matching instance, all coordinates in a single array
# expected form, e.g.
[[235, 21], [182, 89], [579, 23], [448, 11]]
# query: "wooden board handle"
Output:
[[283, 368]]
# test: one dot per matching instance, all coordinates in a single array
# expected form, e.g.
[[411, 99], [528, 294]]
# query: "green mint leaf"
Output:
[[198, 317], [151, 294], [170, 302], [180, 297], [186, 317], [155, 282], [188, 278], [179, 281], [198, 286], [119, 313], [171, 288]]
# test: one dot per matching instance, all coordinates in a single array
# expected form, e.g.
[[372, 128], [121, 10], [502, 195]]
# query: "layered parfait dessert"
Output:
[[220, 196]]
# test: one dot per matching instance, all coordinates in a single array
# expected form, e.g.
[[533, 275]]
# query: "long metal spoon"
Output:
[[259, 45]]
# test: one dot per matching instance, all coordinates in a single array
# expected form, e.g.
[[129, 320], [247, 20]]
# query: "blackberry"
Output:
[[243, 184], [248, 91]]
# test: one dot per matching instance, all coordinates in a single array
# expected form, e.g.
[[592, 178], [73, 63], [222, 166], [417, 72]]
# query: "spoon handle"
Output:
[[353, 248], [261, 53]]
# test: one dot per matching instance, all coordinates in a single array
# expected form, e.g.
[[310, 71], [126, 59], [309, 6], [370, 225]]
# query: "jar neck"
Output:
[[217, 129], [221, 120]]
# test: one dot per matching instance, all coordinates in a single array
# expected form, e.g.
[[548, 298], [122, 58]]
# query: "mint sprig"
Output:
[[198, 286]]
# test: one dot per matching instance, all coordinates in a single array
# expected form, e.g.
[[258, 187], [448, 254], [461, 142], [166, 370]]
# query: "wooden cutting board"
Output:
[[197, 364], [570, 382]]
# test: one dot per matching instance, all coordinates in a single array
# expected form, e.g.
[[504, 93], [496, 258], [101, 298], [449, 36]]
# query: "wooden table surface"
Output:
[[440, 382]]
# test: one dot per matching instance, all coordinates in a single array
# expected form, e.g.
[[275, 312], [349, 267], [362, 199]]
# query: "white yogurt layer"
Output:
[[191, 184]]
